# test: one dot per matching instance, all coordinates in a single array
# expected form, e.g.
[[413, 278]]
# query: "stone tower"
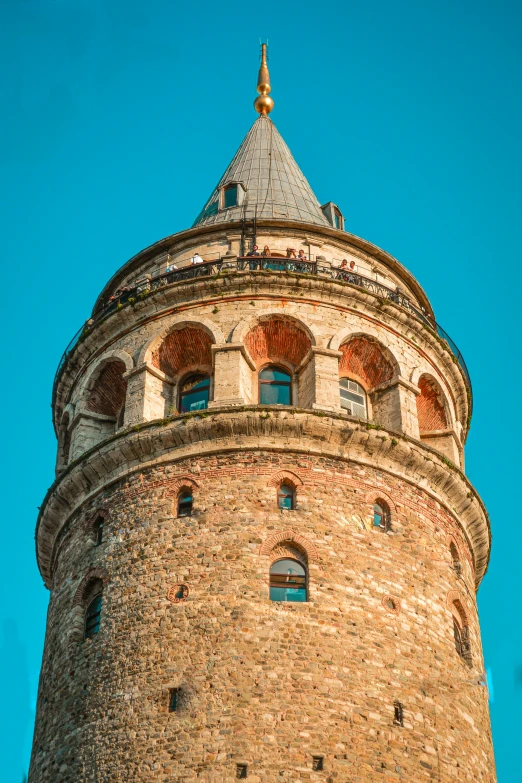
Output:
[[261, 546]]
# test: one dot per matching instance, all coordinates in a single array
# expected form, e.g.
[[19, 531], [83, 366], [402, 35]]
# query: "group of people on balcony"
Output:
[[267, 253]]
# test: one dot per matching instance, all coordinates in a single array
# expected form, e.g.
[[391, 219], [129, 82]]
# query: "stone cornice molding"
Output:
[[300, 431]]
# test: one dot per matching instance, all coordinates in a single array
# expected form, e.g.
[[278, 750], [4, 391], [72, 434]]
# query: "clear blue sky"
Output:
[[119, 116]]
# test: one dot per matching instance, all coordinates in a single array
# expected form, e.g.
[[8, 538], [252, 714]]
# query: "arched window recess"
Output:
[[381, 516], [288, 581], [185, 501], [275, 386]]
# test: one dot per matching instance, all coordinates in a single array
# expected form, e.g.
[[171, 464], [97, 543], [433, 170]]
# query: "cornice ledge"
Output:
[[300, 430]]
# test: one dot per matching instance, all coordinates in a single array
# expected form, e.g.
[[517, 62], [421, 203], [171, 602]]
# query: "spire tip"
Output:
[[263, 103]]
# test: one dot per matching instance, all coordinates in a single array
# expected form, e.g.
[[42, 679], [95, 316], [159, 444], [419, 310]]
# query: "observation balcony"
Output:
[[141, 288]]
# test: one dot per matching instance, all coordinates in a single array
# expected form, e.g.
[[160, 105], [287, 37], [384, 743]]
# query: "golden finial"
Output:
[[263, 103]]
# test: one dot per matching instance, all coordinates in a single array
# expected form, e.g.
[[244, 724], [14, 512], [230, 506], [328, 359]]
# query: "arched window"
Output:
[[353, 398], [286, 497], [455, 559], [461, 633], [185, 503], [194, 393], [275, 386], [93, 617], [381, 515], [287, 581], [98, 530]]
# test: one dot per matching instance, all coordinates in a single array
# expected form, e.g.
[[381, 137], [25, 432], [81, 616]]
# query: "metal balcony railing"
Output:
[[142, 288]]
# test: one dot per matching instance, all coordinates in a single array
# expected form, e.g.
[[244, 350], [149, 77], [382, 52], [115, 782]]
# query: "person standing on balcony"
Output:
[[196, 259], [301, 256], [266, 252], [253, 252]]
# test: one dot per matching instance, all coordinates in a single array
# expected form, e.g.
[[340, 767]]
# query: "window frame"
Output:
[[385, 525], [226, 188], [89, 633], [288, 384], [184, 491], [98, 530], [181, 394], [364, 394], [291, 495], [301, 584]]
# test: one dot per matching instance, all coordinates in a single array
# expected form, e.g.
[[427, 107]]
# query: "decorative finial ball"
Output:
[[263, 104]]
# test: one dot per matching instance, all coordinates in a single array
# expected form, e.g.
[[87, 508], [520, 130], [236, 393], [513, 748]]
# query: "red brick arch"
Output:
[[94, 574], [107, 395], [277, 339], [290, 537], [175, 487], [431, 410], [285, 477], [183, 348], [364, 358]]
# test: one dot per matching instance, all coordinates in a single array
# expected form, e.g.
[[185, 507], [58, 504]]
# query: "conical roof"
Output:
[[273, 185]]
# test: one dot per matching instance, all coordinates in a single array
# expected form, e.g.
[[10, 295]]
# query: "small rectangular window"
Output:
[[398, 715], [230, 196], [241, 771], [173, 699], [318, 763]]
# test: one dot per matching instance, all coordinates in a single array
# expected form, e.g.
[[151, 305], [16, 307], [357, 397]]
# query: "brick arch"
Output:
[[374, 495], [92, 575], [240, 331], [457, 606], [277, 339], [175, 487], [366, 359], [177, 323], [290, 537], [91, 518], [431, 405], [108, 388], [288, 550], [285, 477], [187, 347]]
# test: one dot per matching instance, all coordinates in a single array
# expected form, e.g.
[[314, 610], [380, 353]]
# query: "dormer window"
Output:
[[333, 215], [230, 196]]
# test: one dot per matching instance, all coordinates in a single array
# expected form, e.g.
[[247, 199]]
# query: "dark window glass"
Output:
[[93, 616], [230, 199], [337, 220], [98, 531], [185, 504], [194, 393], [275, 387], [380, 516], [287, 581], [318, 763], [121, 417], [173, 699], [241, 771], [285, 497]]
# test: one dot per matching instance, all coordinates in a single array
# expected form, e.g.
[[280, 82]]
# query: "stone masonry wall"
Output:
[[266, 684]]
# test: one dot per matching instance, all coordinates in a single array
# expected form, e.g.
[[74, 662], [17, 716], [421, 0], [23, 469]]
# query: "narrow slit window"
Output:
[[455, 559], [241, 771], [275, 386], [353, 398], [286, 497], [398, 714], [318, 763], [93, 617], [288, 581], [185, 501], [174, 699], [98, 531]]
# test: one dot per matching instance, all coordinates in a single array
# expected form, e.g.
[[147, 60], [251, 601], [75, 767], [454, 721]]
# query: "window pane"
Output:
[[290, 567], [378, 515], [274, 374], [288, 594], [286, 496], [231, 197], [185, 505], [92, 617], [274, 394]]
